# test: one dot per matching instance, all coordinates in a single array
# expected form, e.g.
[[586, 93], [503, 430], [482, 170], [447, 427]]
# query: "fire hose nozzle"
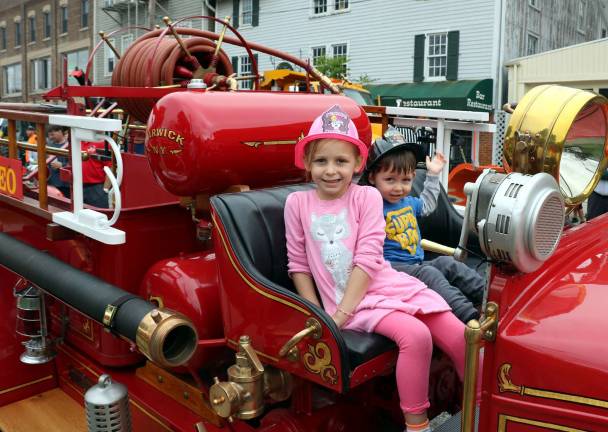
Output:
[[166, 337]]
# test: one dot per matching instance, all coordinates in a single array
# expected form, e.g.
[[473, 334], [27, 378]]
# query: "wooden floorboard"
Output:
[[49, 411]]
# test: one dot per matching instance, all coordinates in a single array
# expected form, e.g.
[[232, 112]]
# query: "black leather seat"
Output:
[[256, 232], [255, 227]]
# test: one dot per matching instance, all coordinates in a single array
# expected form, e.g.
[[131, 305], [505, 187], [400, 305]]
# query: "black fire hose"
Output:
[[166, 337]]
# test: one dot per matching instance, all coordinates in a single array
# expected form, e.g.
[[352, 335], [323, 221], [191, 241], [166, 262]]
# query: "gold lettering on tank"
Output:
[[170, 135]]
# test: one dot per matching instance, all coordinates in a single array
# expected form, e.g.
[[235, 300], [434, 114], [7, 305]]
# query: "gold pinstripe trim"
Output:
[[143, 410], [90, 337], [256, 289], [503, 419], [505, 385], [20, 386], [60, 348]]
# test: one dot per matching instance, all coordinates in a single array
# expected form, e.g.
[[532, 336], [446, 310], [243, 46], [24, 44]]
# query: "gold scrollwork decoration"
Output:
[[504, 380], [506, 385], [318, 361]]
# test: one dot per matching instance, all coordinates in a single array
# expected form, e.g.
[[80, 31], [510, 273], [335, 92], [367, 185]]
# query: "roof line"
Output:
[[518, 59]]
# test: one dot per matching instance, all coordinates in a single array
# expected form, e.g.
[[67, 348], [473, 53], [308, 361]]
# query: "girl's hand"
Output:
[[435, 166], [339, 318]]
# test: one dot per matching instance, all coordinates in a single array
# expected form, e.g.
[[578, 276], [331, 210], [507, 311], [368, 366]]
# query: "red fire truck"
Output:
[[173, 310]]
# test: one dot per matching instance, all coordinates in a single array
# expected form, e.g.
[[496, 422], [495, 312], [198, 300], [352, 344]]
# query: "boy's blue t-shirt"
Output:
[[402, 242]]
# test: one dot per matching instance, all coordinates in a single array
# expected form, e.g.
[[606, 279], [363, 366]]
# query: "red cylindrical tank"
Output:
[[189, 284], [204, 142]]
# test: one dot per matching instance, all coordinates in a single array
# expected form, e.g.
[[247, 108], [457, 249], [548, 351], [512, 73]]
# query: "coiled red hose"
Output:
[[170, 65]]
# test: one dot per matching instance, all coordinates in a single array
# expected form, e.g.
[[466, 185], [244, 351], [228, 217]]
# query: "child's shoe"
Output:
[[422, 427]]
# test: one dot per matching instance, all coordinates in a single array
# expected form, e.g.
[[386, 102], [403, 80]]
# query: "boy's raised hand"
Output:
[[435, 166]]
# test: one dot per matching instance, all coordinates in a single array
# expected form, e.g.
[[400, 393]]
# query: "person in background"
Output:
[[58, 138], [93, 176], [598, 200], [31, 157], [391, 168], [3, 133]]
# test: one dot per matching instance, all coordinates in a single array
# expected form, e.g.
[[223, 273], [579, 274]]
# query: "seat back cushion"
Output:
[[255, 226]]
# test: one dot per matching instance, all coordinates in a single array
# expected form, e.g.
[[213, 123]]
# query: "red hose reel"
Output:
[[170, 65]]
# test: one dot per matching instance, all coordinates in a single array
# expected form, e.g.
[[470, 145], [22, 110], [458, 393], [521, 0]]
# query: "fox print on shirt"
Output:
[[329, 230]]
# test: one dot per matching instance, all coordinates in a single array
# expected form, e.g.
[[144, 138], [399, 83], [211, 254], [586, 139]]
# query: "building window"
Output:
[[63, 13], [246, 12], [340, 5], [41, 74], [109, 59], [318, 52], [326, 7], [17, 33], [245, 70], [2, 38], [603, 33], [46, 24], [532, 46], [31, 22], [437, 55], [335, 50], [12, 79], [84, 13], [341, 50], [319, 7], [580, 17], [76, 59], [125, 42]]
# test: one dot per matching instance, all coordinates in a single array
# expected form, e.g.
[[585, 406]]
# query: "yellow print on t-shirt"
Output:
[[401, 226]]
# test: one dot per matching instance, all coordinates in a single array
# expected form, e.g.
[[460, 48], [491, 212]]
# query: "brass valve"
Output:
[[247, 386]]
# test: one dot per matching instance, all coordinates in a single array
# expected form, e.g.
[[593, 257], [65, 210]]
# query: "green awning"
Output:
[[465, 95]]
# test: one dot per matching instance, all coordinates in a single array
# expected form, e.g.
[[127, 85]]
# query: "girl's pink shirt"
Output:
[[326, 239]]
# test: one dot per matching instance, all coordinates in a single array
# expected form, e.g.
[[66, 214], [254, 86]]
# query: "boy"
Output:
[[391, 168]]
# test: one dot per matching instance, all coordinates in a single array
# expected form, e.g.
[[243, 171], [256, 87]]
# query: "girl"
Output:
[[335, 234]]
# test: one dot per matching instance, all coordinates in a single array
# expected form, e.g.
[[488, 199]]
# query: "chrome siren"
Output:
[[519, 218]]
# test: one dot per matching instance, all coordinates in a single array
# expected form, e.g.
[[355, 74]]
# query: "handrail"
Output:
[[89, 222], [115, 181], [32, 117], [55, 151], [40, 120]]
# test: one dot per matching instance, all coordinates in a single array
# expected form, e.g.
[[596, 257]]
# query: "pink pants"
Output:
[[414, 336]]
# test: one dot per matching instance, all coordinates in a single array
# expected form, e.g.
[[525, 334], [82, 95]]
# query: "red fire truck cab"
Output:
[[179, 292]]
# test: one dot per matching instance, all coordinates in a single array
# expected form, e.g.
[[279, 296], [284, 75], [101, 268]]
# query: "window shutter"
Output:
[[419, 57], [235, 64], [235, 13], [453, 48], [255, 18]]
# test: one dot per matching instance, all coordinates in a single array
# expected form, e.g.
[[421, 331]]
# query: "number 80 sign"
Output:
[[10, 178]]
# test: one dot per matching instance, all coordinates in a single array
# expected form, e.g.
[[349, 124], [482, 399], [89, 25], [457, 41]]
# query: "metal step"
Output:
[[453, 423]]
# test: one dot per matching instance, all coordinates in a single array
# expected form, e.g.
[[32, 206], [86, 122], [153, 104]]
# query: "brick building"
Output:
[[34, 37]]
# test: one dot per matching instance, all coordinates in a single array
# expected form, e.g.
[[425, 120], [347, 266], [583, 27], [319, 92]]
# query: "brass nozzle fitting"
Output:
[[166, 337]]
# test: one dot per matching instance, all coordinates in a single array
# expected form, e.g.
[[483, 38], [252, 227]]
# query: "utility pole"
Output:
[[25, 70], [152, 12]]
